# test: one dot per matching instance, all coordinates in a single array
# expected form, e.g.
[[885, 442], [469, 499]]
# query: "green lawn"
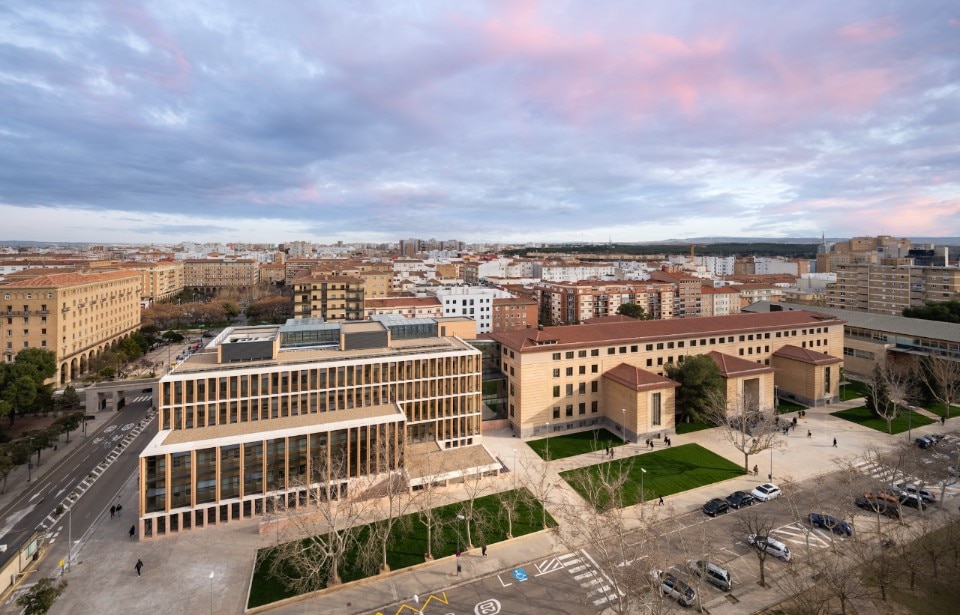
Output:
[[852, 389], [683, 428], [577, 443], [864, 416], [939, 408], [410, 542], [784, 406], [668, 470]]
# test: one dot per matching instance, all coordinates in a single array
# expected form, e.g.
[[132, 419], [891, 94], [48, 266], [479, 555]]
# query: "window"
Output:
[[669, 344], [634, 348], [826, 379], [570, 389], [556, 373], [649, 362], [593, 386], [569, 354], [582, 388], [655, 408], [623, 350], [660, 346], [594, 368], [680, 344], [693, 343], [512, 410], [556, 356], [569, 409], [649, 347], [556, 390], [569, 371], [594, 406], [611, 350], [582, 354], [556, 412], [595, 352], [583, 369]]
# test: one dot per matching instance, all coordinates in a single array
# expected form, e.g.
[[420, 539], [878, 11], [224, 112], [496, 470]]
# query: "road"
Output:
[[35, 507], [574, 583]]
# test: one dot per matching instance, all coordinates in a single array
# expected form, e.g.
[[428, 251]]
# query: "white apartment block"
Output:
[[572, 272], [470, 302]]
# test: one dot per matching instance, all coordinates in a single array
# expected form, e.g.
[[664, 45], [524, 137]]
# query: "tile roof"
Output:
[[638, 379], [735, 366], [636, 331], [62, 280], [394, 302], [806, 355]]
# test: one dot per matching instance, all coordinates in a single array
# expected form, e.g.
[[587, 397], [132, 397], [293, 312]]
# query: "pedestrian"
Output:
[[809, 434], [756, 470], [119, 510], [139, 566], [834, 443], [943, 420], [483, 549], [458, 568], [458, 554], [661, 500], [113, 511], [133, 530]]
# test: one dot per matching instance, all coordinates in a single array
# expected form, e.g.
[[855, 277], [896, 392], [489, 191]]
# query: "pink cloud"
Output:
[[178, 73], [872, 31]]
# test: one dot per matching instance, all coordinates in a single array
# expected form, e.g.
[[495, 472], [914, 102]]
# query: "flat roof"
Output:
[[897, 325]]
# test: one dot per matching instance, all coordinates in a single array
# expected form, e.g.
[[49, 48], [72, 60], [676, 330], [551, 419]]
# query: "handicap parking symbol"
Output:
[[519, 574]]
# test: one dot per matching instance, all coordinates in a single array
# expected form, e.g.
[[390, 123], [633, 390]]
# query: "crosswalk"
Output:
[[140, 398], [885, 475], [587, 574], [802, 534]]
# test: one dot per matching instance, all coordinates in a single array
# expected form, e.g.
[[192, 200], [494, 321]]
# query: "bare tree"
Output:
[[395, 490], [541, 483], [427, 500], [942, 377], [760, 526], [512, 499], [475, 487], [317, 535], [747, 430], [891, 387]]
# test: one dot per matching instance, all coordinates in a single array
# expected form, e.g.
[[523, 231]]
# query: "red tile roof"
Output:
[[636, 331], [638, 379], [735, 366], [806, 355], [62, 280]]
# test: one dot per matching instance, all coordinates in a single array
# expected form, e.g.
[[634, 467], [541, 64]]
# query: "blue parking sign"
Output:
[[519, 574]]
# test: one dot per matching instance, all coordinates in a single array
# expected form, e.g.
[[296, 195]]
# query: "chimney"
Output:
[[539, 327]]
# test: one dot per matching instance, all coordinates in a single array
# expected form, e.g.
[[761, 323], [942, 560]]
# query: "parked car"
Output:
[[674, 588], [829, 522], [715, 507], [711, 573], [884, 495], [925, 494], [771, 546], [913, 501], [766, 491], [924, 442], [878, 506], [739, 499]]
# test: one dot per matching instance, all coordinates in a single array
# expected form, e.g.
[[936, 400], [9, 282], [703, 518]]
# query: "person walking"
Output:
[[133, 530], [139, 566], [661, 501], [119, 509], [809, 434], [943, 420], [834, 443], [113, 511], [458, 568], [483, 549], [756, 470]]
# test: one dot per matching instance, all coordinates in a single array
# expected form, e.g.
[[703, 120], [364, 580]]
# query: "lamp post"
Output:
[[771, 463], [459, 518], [547, 449], [211, 592], [624, 410], [643, 496], [70, 538]]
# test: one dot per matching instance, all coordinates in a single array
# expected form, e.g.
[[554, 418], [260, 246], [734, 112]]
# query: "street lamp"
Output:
[[211, 592], [547, 444], [624, 425], [771, 464], [459, 518], [643, 496]]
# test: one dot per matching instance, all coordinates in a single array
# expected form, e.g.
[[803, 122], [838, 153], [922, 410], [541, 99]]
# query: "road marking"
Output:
[[502, 584], [520, 575], [490, 606], [550, 565]]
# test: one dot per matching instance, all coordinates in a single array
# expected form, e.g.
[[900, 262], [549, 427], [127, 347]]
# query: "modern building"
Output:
[[75, 315], [870, 339], [474, 302], [860, 251], [262, 414], [613, 373], [408, 307]]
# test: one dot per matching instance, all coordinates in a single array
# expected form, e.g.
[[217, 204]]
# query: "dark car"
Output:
[[829, 522], [715, 507], [878, 506], [739, 499], [924, 442], [913, 501]]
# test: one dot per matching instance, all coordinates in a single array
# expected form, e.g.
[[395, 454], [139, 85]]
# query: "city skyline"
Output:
[[485, 121]]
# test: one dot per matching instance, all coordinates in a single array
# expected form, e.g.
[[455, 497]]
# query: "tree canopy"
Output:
[[633, 310], [944, 311], [700, 381]]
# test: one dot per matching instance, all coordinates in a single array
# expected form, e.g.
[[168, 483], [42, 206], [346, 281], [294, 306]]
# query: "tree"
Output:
[[474, 487], [39, 599], [7, 466], [751, 523], [942, 377], [70, 398], [699, 379], [943, 311], [748, 431], [69, 423], [889, 389], [633, 310], [394, 488]]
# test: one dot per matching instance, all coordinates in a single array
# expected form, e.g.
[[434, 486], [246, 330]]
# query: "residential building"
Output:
[[891, 286], [77, 316], [469, 301], [576, 302], [211, 274], [688, 297], [330, 297], [613, 373], [719, 301], [408, 307], [264, 414], [513, 313], [860, 250]]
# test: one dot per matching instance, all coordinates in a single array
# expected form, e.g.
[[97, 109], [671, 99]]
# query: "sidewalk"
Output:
[[104, 577]]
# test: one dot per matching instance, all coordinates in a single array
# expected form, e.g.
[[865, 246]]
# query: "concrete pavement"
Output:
[[176, 575]]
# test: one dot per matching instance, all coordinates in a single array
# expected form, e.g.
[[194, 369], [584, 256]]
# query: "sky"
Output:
[[124, 121]]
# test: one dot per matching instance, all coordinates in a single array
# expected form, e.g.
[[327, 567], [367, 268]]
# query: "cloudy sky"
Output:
[[174, 120]]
